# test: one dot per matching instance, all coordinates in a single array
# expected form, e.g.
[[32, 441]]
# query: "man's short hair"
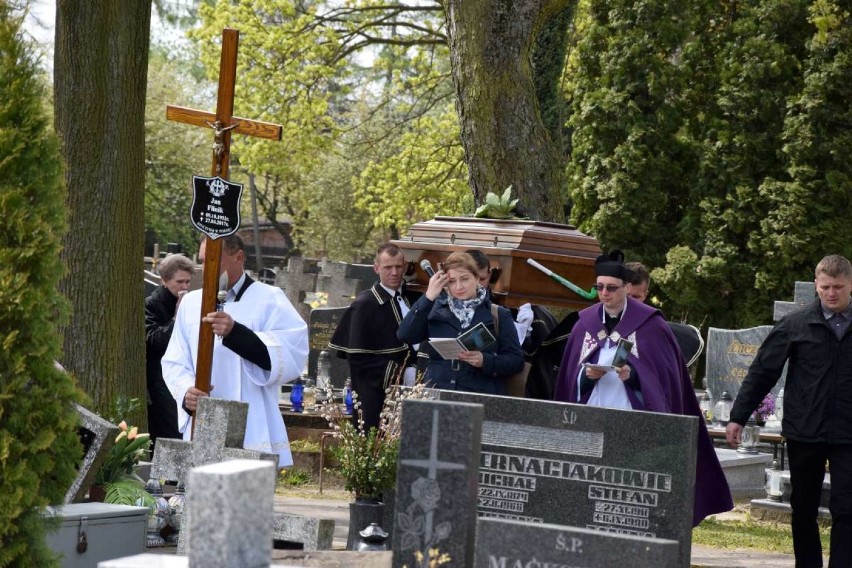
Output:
[[389, 249], [169, 266], [834, 266], [640, 273], [233, 243]]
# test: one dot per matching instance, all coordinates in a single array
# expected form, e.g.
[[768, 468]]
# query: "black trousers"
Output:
[[162, 411], [807, 471]]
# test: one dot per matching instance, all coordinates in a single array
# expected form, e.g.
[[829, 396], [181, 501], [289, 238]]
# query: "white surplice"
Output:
[[265, 310]]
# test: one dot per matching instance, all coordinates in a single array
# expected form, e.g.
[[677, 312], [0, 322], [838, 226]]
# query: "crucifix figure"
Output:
[[223, 124]]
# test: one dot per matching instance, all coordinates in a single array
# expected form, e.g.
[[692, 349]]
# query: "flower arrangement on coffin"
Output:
[[116, 474], [765, 409], [368, 459]]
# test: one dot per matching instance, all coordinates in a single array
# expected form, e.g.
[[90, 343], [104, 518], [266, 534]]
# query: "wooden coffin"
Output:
[[508, 244]]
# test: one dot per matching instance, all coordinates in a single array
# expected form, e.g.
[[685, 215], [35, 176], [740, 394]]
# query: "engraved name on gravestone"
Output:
[[730, 352], [609, 470], [321, 326], [501, 542], [435, 505]]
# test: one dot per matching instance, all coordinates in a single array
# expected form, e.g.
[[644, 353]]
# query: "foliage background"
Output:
[[708, 140], [39, 447]]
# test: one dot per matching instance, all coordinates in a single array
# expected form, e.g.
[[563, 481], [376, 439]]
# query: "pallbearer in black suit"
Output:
[[366, 335]]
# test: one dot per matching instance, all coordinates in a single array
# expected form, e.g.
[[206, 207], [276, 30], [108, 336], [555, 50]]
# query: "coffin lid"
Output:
[[508, 243]]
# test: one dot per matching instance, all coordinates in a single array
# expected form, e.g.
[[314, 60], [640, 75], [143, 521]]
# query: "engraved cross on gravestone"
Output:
[[437, 511]]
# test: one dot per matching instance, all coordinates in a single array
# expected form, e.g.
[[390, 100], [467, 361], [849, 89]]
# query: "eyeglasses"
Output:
[[608, 287]]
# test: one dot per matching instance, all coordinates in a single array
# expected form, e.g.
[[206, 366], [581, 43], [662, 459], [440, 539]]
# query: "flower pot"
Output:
[[362, 513]]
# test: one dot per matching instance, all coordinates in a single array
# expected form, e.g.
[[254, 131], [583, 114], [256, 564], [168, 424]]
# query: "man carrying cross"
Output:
[[263, 343]]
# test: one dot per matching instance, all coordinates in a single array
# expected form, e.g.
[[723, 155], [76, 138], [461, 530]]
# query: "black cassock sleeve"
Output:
[[245, 343]]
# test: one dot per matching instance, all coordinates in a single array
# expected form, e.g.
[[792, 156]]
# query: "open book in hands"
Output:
[[622, 351], [476, 338]]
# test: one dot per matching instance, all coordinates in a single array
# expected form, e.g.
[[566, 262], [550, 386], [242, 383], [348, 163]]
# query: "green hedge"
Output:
[[38, 441]]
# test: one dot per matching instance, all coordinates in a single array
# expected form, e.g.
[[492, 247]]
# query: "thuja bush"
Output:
[[39, 447]]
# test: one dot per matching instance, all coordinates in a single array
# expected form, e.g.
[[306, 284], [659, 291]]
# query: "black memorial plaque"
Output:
[[215, 206]]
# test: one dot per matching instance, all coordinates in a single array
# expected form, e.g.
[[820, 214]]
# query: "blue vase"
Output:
[[297, 395], [347, 397]]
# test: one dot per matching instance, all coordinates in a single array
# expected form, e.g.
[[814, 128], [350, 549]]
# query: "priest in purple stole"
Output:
[[654, 378]]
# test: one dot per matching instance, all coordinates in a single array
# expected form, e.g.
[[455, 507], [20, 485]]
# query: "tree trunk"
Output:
[[100, 64], [504, 138]]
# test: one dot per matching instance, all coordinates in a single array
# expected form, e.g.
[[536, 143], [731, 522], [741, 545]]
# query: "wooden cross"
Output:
[[223, 124]]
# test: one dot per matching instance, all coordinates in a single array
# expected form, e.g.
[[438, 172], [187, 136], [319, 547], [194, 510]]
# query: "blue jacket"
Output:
[[502, 358]]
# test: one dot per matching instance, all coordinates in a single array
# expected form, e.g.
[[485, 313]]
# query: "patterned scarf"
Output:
[[464, 309]]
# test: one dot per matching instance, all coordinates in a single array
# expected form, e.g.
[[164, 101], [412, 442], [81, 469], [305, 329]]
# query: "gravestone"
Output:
[[435, 501], [233, 501], [267, 276], [98, 437], [729, 355], [297, 281], [342, 282], [220, 427], [803, 294], [615, 471], [321, 326], [311, 533], [500, 542]]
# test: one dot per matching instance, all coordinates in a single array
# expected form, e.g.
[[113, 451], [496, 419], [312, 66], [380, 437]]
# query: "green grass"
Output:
[[749, 533], [294, 477]]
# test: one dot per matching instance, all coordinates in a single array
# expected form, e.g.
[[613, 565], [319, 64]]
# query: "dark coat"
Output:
[[159, 323], [818, 389], [502, 358]]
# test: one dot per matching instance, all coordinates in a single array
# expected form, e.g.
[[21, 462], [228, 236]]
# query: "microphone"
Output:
[[427, 267]]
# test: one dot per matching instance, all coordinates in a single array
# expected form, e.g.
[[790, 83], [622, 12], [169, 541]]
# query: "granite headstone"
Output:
[[803, 294], [616, 471], [97, 437], [500, 542], [435, 500], [321, 326], [219, 434], [232, 528], [729, 355]]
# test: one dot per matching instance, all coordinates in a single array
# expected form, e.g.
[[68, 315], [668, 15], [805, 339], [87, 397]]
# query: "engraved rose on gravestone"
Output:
[[427, 493]]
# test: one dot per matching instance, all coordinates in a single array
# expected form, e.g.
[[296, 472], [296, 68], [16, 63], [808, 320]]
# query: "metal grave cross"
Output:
[[432, 465], [223, 124]]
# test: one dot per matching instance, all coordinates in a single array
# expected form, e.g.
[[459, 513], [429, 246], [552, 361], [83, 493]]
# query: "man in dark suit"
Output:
[[366, 336]]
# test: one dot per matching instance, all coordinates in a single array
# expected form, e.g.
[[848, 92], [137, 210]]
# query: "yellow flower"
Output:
[[133, 432], [121, 435]]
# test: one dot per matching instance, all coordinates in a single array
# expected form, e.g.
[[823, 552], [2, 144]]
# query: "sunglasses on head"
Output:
[[607, 287]]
